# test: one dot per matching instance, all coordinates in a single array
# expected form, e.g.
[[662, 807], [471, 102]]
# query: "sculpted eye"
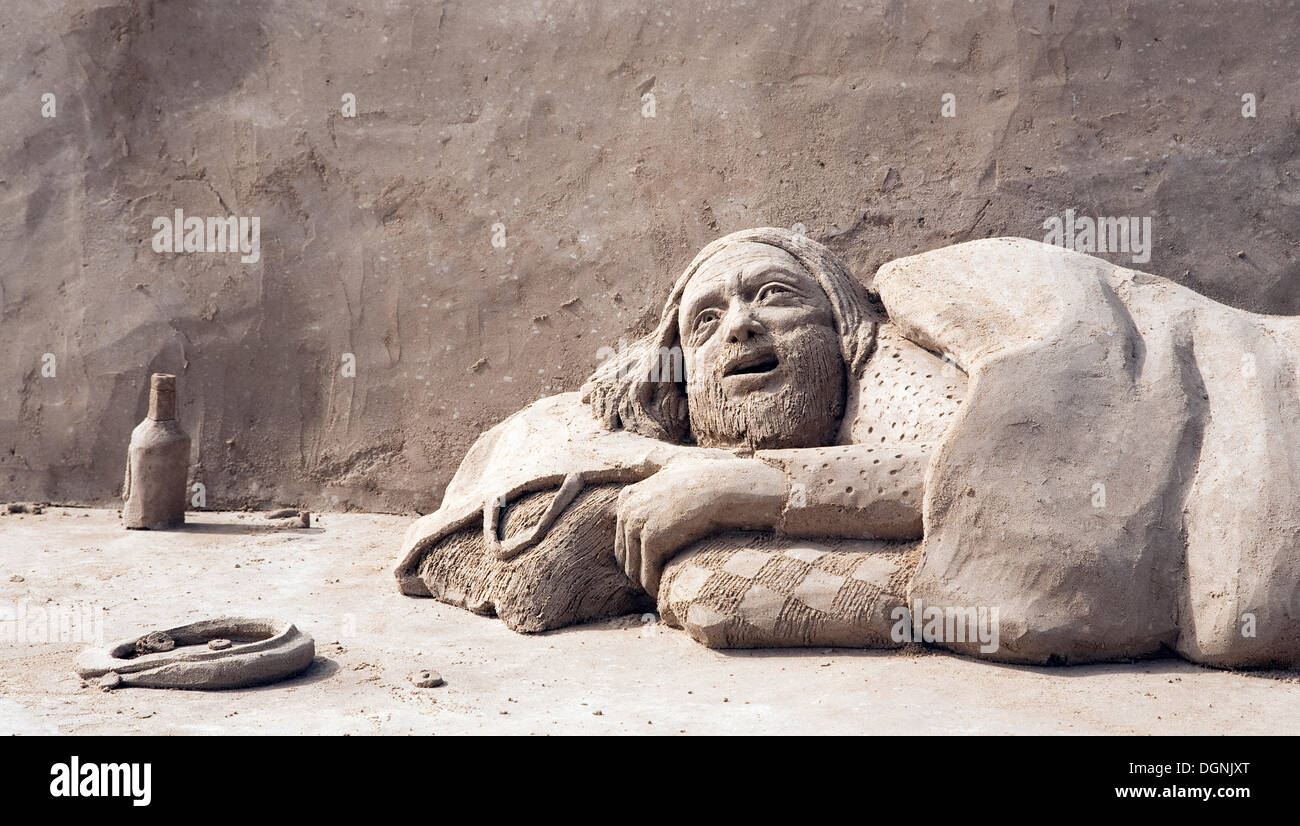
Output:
[[706, 317], [773, 290]]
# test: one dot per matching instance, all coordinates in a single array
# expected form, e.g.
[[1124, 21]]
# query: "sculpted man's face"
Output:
[[763, 363]]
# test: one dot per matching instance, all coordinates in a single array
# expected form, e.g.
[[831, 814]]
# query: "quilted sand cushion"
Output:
[[755, 590]]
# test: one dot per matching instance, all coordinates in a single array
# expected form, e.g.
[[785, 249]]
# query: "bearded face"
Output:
[[762, 356]]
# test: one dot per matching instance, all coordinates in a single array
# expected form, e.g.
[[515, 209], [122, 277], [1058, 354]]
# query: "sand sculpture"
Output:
[[157, 463], [226, 652], [1102, 461]]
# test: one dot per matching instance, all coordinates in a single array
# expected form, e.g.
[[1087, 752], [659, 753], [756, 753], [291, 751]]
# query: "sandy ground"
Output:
[[623, 676]]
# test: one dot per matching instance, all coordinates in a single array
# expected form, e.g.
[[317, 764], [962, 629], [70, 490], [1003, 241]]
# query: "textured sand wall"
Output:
[[376, 231]]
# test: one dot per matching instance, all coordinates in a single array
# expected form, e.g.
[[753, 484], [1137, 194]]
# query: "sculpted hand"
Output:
[[688, 500]]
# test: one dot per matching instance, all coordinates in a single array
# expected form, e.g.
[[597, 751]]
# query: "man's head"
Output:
[[762, 356], [771, 329]]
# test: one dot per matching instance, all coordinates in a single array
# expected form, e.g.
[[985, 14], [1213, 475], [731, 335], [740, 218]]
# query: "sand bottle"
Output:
[[157, 463]]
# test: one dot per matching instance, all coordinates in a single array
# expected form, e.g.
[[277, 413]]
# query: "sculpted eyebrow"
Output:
[[763, 277], [701, 303]]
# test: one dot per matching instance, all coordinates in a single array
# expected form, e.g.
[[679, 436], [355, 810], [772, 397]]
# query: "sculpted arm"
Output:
[[851, 491], [854, 492]]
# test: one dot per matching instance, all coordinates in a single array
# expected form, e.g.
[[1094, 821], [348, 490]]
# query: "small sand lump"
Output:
[[154, 643], [424, 678]]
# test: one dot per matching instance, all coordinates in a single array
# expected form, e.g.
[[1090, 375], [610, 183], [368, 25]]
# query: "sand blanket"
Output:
[[1124, 475]]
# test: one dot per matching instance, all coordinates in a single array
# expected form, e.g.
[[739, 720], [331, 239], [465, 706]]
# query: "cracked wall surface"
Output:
[[377, 230]]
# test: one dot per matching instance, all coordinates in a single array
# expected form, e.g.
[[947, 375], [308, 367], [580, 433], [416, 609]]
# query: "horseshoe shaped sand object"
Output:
[[226, 652]]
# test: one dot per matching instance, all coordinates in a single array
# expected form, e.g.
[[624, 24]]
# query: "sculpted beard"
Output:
[[803, 411]]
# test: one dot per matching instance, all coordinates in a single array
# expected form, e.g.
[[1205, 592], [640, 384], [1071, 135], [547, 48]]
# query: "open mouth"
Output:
[[752, 364]]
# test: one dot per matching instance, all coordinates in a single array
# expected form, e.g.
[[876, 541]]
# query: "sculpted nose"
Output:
[[740, 324]]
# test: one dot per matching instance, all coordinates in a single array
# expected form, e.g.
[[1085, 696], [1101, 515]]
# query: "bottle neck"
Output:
[[162, 398]]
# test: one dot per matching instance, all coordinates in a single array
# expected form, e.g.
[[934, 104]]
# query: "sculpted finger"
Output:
[[623, 517], [650, 578], [652, 558], [609, 413], [620, 546], [632, 550]]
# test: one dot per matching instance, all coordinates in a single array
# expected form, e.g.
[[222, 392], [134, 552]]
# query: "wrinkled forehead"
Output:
[[739, 268]]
